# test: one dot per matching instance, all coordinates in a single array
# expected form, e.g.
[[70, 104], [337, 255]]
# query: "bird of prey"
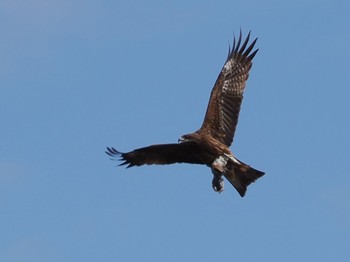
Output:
[[210, 144]]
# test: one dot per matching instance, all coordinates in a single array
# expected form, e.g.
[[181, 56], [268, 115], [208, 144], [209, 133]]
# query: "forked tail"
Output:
[[241, 176]]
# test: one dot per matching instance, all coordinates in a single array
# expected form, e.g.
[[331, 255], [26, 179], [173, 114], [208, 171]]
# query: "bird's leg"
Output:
[[218, 169], [218, 182]]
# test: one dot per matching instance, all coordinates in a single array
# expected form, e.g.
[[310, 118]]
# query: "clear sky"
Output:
[[77, 76]]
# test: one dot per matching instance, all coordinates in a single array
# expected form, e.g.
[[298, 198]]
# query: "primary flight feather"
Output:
[[210, 144]]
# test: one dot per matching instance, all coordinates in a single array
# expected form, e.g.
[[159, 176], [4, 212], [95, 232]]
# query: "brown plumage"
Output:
[[210, 144]]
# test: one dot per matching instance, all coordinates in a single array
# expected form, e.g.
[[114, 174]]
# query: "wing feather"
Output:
[[226, 97], [162, 154]]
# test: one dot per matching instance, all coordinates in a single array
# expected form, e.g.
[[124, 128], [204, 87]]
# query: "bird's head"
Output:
[[186, 138]]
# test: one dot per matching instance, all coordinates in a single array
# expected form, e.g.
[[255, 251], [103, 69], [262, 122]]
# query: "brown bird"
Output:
[[210, 144]]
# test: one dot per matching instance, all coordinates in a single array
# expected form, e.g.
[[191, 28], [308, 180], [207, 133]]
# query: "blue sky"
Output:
[[77, 76]]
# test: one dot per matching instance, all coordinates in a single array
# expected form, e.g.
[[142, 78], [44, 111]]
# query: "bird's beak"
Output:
[[181, 139]]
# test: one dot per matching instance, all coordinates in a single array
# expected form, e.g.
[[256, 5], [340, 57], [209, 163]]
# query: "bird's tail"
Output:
[[241, 176]]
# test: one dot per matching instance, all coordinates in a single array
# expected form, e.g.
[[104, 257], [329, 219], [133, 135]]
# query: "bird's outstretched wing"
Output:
[[162, 154], [226, 96]]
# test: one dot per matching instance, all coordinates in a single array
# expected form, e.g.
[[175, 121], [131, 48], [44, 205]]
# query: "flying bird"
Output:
[[210, 144]]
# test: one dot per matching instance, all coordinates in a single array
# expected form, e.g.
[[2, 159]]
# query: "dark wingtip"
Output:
[[244, 43], [238, 42], [242, 49], [111, 151], [253, 54]]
